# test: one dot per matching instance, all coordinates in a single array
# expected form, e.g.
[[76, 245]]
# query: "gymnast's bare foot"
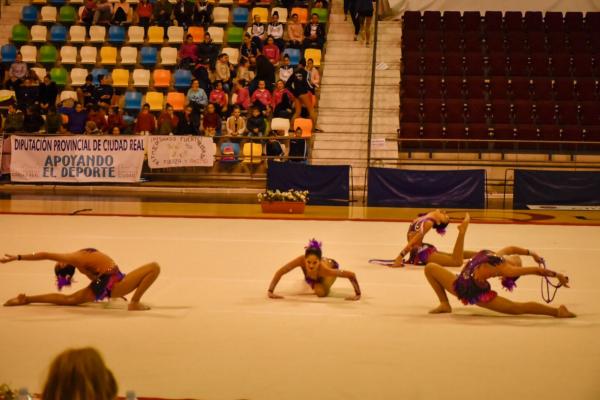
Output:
[[443, 308], [20, 300], [564, 313], [465, 223], [137, 306]]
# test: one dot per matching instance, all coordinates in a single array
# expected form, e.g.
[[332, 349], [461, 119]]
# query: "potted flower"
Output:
[[288, 202]]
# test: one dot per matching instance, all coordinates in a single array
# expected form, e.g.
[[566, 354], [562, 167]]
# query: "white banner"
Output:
[[180, 151], [76, 158]]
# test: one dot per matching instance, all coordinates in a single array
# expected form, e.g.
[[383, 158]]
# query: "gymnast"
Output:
[[319, 272], [471, 286], [107, 281], [421, 253]]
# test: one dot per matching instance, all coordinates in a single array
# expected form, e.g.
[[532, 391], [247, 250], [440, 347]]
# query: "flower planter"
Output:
[[283, 207]]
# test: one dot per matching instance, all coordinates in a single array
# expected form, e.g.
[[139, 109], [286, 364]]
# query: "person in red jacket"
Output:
[[145, 122]]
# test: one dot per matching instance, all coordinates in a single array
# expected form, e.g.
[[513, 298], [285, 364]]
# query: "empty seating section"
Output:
[[500, 77]]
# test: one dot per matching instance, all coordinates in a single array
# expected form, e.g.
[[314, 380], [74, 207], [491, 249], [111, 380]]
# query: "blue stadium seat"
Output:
[[240, 16], [148, 56], [230, 152], [9, 53], [116, 34], [96, 72], [294, 55], [183, 79], [133, 101], [58, 34], [29, 14]]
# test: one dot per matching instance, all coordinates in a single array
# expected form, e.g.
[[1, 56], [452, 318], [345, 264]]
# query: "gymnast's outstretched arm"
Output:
[[511, 250], [351, 276], [513, 272], [398, 262], [295, 263], [68, 258]]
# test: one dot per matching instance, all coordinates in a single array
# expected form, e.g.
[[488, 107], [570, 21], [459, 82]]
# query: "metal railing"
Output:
[[373, 77]]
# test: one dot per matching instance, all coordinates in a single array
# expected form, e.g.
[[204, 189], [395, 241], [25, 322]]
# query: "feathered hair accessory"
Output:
[[64, 276], [313, 244]]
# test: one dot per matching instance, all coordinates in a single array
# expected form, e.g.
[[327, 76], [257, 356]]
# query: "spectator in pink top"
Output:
[[271, 51], [282, 101], [188, 52], [261, 98], [242, 94], [219, 98]]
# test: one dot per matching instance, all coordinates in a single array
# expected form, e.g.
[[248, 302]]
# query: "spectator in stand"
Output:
[[207, 50], [223, 71], [18, 69], [274, 149], [85, 93], [196, 98], [320, 4], [242, 95], [258, 31], [115, 119], [243, 71], [33, 121], [184, 13], [103, 93], [300, 86], [313, 74], [144, 11], [89, 10], [249, 48], [236, 124], [211, 122], [295, 32], [27, 94], [275, 30], [298, 151], [48, 93], [79, 374], [14, 120], [261, 98], [256, 124], [364, 11], [188, 122], [98, 117], [283, 101], [145, 123], [203, 13], [188, 52], [77, 120], [271, 51], [121, 12], [129, 121], [91, 129], [201, 74], [314, 35], [168, 121], [103, 13], [285, 69], [219, 98], [163, 13], [265, 71], [115, 131], [53, 121]]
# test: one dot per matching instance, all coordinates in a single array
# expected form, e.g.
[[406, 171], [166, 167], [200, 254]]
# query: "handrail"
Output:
[[372, 89]]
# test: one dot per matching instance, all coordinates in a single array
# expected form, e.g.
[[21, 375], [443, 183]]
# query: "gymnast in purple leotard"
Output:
[[471, 286], [319, 272]]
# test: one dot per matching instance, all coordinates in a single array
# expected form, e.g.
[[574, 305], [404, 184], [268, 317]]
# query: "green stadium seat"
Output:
[[20, 34], [59, 75], [235, 34]]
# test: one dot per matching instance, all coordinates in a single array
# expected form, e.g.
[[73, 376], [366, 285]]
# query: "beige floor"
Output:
[[213, 334]]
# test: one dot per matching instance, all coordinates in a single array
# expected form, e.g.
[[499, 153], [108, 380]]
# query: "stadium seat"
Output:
[[29, 14], [176, 100], [77, 34], [492, 21], [294, 55], [183, 79], [280, 124], [39, 34], [314, 54], [252, 153], [19, 34], [116, 35], [230, 152], [58, 34], [148, 56], [216, 33], [302, 14], [135, 35], [97, 34], [40, 72], [48, 54], [323, 14], [574, 21], [233, 53], [282, 12], [221, 15], [128, 55], [68, 95], [197, 33], [120, 77], [175, 34], [58, 2], [513, 21], [88, 54], [29, 54], [168, 56], [39, 2], [262, 12], [161, 78], [9, 53], [108, 55], [96, 73], [156, 35], [141, 77], [155, 100], [534, 21], [133, 101], [68, 55], [234, 35], [305, 124], [59, 75], [471, 21], [240, 16], [78, 76], [67, 15], [48, 14]]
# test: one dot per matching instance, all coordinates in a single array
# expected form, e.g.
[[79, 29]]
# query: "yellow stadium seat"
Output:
[[177, 100], [314, 54], [156, 34], [155, 100], [108, 55], [161, 78], [120, 77], [252, 153], [262, 12]]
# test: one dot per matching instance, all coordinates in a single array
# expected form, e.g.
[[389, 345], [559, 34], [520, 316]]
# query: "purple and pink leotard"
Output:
[[420, 255]]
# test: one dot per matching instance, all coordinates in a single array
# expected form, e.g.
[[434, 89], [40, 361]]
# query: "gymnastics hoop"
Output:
[[546, 294]]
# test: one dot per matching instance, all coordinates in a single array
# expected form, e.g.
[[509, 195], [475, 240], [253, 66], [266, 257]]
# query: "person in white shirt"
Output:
[[275, 29]]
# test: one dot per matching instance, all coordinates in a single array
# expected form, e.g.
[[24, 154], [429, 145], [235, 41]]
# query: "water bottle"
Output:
[[24, 394], [130, 395]]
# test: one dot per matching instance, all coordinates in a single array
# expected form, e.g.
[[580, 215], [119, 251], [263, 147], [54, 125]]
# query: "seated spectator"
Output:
[[202, 75], [236, 124], [33, 121], [79, 374], [98, 117], [168, 121], [188, 52], [223, 71], [18, 69], [184, 13], [85, 93], [298, 151], [53, 121], [243, 71], [163, 13], [283, 101], [77, 120], [275, 30], [207, 50], [188, 122], [115, 119], [14, 120], [145, 123], [271, 51], [248, 48], [48, 93], [256, 124], [211, 122], [219, 98], [242, 95], [258, 31], [314, 35], [203, 13], [88, 13], [115, 131], [145, 11], [103, 93], [261, 98], [103, 13], [274, 149], [121, 12], [295, 32], [27, 94], [285, 69], [91, 129], [196, 98], [313, 74]]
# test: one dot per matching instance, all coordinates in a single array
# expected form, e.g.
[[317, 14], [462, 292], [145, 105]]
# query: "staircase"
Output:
[[11, 15], [345, 93]]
